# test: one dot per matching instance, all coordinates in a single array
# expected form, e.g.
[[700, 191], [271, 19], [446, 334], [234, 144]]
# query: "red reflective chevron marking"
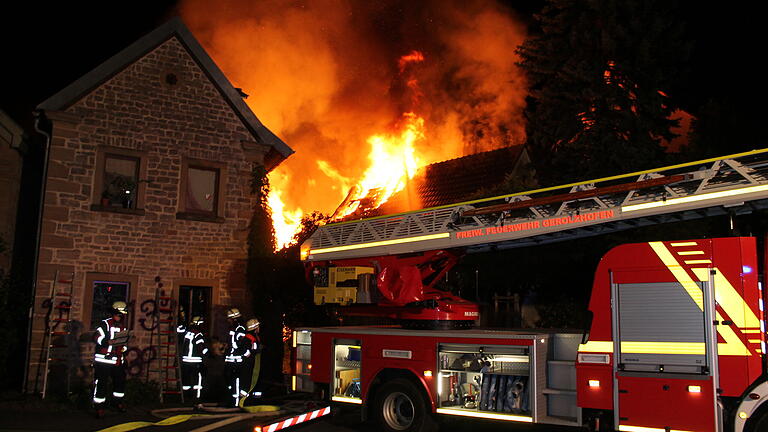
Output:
[[295, 420]]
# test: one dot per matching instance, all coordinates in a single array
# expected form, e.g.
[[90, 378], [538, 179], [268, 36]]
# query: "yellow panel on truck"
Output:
[[338, 284]]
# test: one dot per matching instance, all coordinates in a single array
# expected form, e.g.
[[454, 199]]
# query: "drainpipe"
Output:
[[45, 130]]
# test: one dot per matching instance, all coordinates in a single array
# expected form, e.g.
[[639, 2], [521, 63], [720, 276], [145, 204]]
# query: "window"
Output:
[[202, 190], [118, 180], [121, 178], [103, 289], [201, 193], [105, 293]]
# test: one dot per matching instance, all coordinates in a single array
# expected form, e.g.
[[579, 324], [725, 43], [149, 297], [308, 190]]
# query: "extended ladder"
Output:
[[57, 337], [731, 184], [167, 341]]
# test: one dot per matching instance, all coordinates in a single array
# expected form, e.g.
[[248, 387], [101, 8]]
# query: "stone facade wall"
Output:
[[163, 108]]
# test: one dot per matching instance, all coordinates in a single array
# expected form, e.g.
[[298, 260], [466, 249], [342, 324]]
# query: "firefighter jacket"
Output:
[[111, 339], [237, 346], [252, 343], [193, 347]]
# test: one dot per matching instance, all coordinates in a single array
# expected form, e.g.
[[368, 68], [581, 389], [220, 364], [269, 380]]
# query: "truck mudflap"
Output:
[[292, 420]]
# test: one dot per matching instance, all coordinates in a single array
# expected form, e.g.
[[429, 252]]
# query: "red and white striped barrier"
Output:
[[293, 420]]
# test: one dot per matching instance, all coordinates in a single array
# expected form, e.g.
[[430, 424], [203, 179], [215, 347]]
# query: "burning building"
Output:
[[147, 200], [368, 92]]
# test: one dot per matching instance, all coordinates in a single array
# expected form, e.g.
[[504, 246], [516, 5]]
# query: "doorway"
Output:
[[194, 301]]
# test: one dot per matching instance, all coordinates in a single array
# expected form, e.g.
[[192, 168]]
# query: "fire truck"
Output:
[[676, 339]]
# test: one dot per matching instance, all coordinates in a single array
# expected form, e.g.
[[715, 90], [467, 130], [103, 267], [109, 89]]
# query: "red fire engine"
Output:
[[677, 335]]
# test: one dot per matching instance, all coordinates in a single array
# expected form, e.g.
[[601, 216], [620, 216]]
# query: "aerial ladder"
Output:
[[411, 251]]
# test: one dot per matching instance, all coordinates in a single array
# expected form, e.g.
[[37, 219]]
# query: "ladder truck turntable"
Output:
[[676, 340]]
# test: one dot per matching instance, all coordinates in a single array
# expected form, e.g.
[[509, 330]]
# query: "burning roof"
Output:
[[446, 182], [368, 92]]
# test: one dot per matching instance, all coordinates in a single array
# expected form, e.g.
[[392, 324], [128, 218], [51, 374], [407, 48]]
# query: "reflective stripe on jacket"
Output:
[[236, 346], [106, 353], [193, 348]]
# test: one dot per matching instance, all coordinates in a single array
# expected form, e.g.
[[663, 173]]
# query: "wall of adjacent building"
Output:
[[11, 138]]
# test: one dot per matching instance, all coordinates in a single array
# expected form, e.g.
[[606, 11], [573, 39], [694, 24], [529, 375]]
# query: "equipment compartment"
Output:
[[347, 360], [302, 344], [484, 379]]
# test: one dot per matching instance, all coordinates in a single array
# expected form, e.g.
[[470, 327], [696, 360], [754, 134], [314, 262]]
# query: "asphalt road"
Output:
[[35, 416], [348, 420]]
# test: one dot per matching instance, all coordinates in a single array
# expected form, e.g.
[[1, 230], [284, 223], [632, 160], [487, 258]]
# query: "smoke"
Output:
[[324, 76]]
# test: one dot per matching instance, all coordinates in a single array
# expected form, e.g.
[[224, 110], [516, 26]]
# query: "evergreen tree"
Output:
[[598, 73]]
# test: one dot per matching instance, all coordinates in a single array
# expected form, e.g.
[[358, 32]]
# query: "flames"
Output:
[[393, 160], [285, 222], [341, 83]]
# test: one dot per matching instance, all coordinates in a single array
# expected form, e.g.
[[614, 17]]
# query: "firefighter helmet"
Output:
[[252, 324], [119, 307], [233, 313], [198, 320]]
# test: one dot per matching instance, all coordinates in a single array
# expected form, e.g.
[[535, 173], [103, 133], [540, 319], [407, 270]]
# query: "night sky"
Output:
[[51, 46]]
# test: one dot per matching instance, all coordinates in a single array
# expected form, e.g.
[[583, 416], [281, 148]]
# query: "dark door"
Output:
[[194, 301]]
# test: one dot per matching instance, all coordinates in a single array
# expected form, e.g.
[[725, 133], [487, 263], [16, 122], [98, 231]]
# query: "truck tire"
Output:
[[758, 422], [400, 407]]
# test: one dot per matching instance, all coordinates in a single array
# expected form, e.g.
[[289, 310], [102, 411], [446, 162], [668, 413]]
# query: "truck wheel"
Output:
[[399, 407], [758, 422]]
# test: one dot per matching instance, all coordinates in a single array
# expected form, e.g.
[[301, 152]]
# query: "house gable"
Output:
[[173, 29]]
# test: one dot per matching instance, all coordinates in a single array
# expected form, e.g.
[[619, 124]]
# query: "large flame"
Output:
[[393, 160], [285, 222], [327, 76]]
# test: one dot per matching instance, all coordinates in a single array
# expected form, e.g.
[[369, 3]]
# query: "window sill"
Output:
[[199, 217], [112, 209]]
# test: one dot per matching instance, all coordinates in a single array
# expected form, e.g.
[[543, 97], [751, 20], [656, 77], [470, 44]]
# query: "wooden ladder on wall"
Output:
[[57, 339], [167, 343]]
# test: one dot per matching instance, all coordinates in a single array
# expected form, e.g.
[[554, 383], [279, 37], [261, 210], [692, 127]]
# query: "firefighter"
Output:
[[233, 361], [193, 348], [251, 361], [111, 338]]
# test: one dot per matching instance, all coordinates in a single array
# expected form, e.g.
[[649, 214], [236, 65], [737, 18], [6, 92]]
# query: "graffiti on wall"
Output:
[[138, 360], [154, 316]]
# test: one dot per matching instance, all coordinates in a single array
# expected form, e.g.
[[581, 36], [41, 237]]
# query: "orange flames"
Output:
[[325, 76], [393, 160]]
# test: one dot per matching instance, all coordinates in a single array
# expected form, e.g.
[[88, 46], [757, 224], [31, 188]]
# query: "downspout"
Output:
[[45, 130]]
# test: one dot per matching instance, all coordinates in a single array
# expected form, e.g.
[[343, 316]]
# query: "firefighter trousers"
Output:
[[102, 373], [249, 376], [232, 373], [192, 380]]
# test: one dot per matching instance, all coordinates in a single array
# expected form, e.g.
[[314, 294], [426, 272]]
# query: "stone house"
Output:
[[147, 184]]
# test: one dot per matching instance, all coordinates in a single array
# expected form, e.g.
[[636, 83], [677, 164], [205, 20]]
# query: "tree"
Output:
[[276, 281], [599, 72], [726, 125]]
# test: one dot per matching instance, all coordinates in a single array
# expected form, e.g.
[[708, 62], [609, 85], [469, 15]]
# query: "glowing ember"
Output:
[[413, 57]]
